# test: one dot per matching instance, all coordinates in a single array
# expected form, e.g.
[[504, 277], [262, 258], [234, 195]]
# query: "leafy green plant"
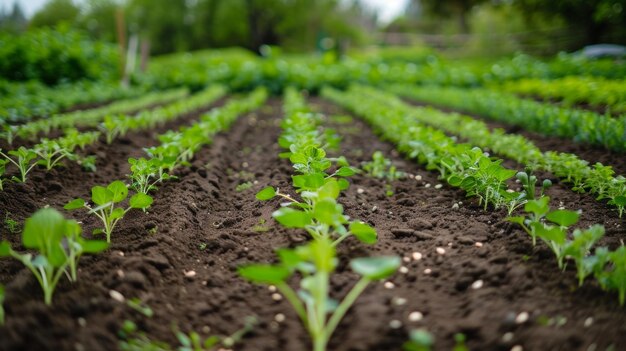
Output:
[[243, 186], [529, 181], [579, 247], [24, 161], [315, 262], [136, 304], [609, 269], [382, 168], [58, 245], [459, 340], [107, 209], [10, 224], [147, 173]]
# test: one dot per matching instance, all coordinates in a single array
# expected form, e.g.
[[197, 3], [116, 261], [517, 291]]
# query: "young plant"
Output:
[[578, 249], [58, 245], [146, 174], [10, 224], [23, 161], [609, 268], [529, 182], [382, 168], [315, 262], [2, 171], [51, 153], [1, 303], [107, 209], [419, 340]]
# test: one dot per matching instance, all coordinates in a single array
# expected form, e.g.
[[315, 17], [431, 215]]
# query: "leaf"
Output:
[[327, 211], [620, 200], [364, 232], [291, 218], [265, 274], [141, 201], [44, 231], [5, 248], [119, 191], [329, 190], [266, 194], [345, 172], [538, 207], [563, 218], [117, 213], [343, 184], [94, 246], [550, 233], [376, 268], [75, 204], [519, 219], [101, 195]]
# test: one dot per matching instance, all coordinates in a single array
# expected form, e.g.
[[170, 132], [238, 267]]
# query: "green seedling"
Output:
[[419, 340], [106, 201], [261, 227], [578, 249], [58, 245], [459, 340], [138, 305], [10, 224], [382, 168], [529, 182], [3, 169], [609, 268], [134, 340], [24, 161], [315, 262], [243, 186], [146, 174], [1, 305], [51, 153]]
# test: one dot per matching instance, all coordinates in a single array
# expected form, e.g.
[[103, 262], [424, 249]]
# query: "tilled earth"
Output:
[[490, 284]]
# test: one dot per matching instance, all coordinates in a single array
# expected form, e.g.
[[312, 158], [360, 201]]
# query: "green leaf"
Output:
[[265, 274], [376, 268], [343, 184], [550, 233], [5, 248], [518, 219], [117, 213], [94, 246], [291, 218], [620, 200], [119, 191], [329, 190], [266, 194], [345, 172], [364, 232], [563, 218], [101, 195], [141, 201], [538, 207], [75, 204], [328, 211], [44, 231]]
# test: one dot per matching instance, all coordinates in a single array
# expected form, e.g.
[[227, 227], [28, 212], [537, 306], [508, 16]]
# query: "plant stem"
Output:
[[344, 306]]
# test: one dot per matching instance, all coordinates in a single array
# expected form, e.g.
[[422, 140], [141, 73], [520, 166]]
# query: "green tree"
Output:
[[56, 12], [458, 9]]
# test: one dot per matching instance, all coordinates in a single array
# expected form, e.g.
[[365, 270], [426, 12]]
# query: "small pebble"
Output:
[[455, 206], [403, 270], [206, 329], [478, 244], [398, 301], [277, 297], [271, 288], [120, 253], [244, 165], [395, 324], [406, 259], [441, 250], [477, 284], [588, 322], [116, 295], [82, 322], [522, 318], [389, 285], [279, 318], [427, 185], [417, 256], [416, 316], [190, 274], [418, 177], [428, 271], [507, 337], [438, 186], [517, 348], [374, 208], [360, 190], [120, 273]]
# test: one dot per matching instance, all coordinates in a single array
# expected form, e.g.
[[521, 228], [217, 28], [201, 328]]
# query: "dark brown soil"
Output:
[[589, 153], [200, 223]]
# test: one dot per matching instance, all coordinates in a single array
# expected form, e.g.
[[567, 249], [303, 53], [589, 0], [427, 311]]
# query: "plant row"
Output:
[[50, 152], [597, 179], [395, 123], [594, 92], [58, 242], [23, 102], [544, 118], [91, 117], [318, 181]]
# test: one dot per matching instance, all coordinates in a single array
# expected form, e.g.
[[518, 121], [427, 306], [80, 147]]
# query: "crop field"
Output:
[[228, 201]]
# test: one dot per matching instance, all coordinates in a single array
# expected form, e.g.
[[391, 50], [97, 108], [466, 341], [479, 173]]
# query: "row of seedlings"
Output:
[[598, 180], [544, 118], [431, 147], [317, 211], [50, 152]]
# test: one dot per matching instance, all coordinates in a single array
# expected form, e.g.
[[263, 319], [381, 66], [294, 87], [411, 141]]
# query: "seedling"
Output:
[[107, 201], [2, 171], [138, 305], [315, 262], [609, 268], [529, 182], [12, 225], [578, 248], [58, 245], [146, 174], [243, 186], [382, 168], [24, 161], [419, 340]]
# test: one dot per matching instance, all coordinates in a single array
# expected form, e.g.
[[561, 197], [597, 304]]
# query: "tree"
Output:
[[14, 21], [452, 8], [56, 12]]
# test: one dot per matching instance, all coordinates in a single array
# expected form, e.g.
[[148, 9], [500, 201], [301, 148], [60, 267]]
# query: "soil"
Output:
[[200, 223]]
